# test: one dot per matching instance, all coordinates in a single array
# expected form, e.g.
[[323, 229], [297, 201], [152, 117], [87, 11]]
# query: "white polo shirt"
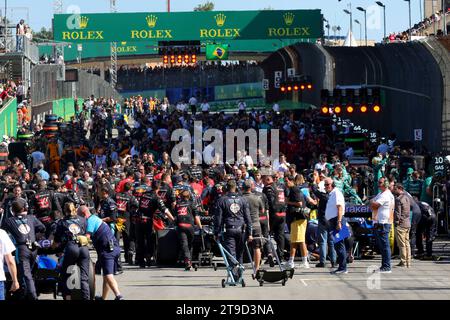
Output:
[[335, 198], [386, 201], [6, 246]]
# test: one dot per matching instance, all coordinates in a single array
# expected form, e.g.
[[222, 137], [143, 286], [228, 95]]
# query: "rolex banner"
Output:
[[188, 26], [217, 52]]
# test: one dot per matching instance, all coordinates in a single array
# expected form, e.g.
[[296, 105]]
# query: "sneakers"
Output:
[[119, 297], [401, 264], [304, 265], [289, 265], [384, 270], [187, 264], [339, 271], [98, 298], [320, 265]]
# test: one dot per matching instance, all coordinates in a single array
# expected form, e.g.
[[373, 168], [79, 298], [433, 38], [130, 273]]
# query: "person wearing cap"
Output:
[[232, 220], [23, 229], [179, 185], [107, 248], [186, 214], [149, 204], [44, 203]]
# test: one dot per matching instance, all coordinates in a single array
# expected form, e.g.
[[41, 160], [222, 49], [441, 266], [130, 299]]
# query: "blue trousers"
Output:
[[325, 240], [382, 234], [339, 246]]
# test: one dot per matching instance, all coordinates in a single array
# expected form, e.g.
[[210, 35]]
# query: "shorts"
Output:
[[256, 243], [108, 260], [298, 231]]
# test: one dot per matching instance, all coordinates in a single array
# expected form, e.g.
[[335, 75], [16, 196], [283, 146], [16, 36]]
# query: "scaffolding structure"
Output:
[[113, 69]]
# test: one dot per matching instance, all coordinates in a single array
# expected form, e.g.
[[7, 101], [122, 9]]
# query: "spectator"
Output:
[[383, 208], [334, 214], [402, 225], [21, 31]]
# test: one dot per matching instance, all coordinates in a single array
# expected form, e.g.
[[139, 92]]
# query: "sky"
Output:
[[40, 12]]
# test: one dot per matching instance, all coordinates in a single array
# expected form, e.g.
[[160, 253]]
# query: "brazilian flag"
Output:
[[217, 52]]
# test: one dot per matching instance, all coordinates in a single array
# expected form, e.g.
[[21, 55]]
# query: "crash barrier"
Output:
[[48, 95]]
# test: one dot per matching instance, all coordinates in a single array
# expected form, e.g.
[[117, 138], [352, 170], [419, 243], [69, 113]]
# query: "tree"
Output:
[[208, 6], [44, 34]]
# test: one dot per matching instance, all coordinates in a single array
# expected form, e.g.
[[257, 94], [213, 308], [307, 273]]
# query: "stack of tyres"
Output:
[[25, 137], [51, 126], [3, 157]]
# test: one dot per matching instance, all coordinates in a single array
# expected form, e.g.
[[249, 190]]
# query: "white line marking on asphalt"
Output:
[[304, 282]]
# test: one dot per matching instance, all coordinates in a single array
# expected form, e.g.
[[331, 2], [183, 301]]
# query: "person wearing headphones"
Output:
[[334, 214], [383, 216]]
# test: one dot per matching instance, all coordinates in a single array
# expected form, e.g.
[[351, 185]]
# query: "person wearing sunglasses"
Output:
[[383, 216], [334, 214]]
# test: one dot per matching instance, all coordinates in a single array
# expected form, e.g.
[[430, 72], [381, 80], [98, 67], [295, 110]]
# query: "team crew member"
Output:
[[19, 196], [427, 229], [126, 203], [232, 215], [71, 235], [276, 196], [23, 229], [107, 248], [44, 203], [149, 203], [383, 208], [108, 213], [257, 208], [186, 215]]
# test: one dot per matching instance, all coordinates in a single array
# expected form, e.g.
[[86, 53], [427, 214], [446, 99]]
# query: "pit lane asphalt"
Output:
[[424, 280]]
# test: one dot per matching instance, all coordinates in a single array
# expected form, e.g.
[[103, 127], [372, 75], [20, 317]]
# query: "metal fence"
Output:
[[45, 87]]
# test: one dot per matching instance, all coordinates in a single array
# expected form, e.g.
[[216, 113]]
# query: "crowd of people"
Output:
[[89, 182], [186, 75], [419, 29]]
